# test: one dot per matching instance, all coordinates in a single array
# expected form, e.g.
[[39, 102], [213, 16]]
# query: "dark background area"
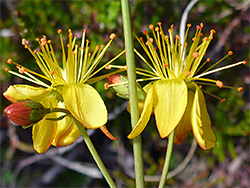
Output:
[[226, 165]]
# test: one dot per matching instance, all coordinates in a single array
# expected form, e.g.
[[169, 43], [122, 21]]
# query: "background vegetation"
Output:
[[227, 165]]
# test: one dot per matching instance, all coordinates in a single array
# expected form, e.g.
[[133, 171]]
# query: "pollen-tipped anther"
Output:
[[151, 26], [223, 100], [159, 23], [219, 83], [230, 53], [212, 31], [240, 89], [59, 31], [106, 86], [187, 73], [112, 36], [244, 62], [9, 61], [108, 67], [51, 72], [23, 41], [189, 25], [208, 59], [6, 69], [195, 54], [21, 70]]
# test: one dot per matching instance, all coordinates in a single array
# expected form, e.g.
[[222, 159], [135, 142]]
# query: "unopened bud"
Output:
[[122, 89], [26, 112]]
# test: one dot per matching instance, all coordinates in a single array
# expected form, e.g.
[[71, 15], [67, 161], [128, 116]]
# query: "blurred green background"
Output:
[[227, 165]]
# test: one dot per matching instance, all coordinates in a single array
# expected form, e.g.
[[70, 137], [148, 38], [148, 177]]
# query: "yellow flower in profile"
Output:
[[174, 95], [65, 84]]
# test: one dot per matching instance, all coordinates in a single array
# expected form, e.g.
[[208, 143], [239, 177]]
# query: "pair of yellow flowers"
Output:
[[173, 94]]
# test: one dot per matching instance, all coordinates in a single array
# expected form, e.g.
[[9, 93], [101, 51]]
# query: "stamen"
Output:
[[151, 26], [189, 25], [159, 23], [59, 31], [230, 53], [219, 83], [244, 62], [6, 69]]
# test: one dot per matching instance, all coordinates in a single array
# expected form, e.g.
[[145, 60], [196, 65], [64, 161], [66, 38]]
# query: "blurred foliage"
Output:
[[31, 19]]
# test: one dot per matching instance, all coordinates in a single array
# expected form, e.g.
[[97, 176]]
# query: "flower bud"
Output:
[[122, 89], [26, 112]]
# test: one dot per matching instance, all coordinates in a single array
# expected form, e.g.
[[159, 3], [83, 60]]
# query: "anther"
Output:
[[165, 65], [151, 40], [85, 30], [244, 62], [89, 54], [124, 67], [172, 26], [68, 45], [22, 70], [198, 27], [87, 40], [59, 31], [69, 30], [6, 69], [141, 39], [112, 36], [189, 25], [201, 24], [178, 37], [208, 59], [205, 39], [222, 100], [195, 54], [37, 39], [106, 86], [9, 61], [166, 36], [70, 35], [187, 73], [49, 41], [151, 26], [26, 46], [102, 45], [147, 43], [108, 67], [34, 51], [97, 47], [51, 72], [145, 32], [200, 86], [240, 89], [212, 31], [201, 34], [161, 33], [230, 53], [159, 23], [23, 41], [219, 83], [157, 29]]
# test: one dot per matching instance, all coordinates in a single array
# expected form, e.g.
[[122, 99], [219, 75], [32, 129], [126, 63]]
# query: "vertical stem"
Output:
[[130, 59], [167, 160], [94, 154]]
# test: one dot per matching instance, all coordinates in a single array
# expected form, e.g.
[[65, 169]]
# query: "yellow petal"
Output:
[[43, 134], [145, 115], [201, 123], [184, 126], [170, 102], [22, 92], [44, 131], [85, 104], [67, 133], [141, 102]]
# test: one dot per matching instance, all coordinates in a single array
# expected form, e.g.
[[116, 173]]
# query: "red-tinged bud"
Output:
[[121, 89], [26, 112]]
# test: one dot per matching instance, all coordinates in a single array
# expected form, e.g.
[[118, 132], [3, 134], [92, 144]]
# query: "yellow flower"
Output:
[[174, 95], [68, 87]]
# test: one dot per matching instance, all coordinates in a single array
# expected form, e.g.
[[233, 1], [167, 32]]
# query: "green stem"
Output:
[[167, 160], [130, 59], [94, 154]]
